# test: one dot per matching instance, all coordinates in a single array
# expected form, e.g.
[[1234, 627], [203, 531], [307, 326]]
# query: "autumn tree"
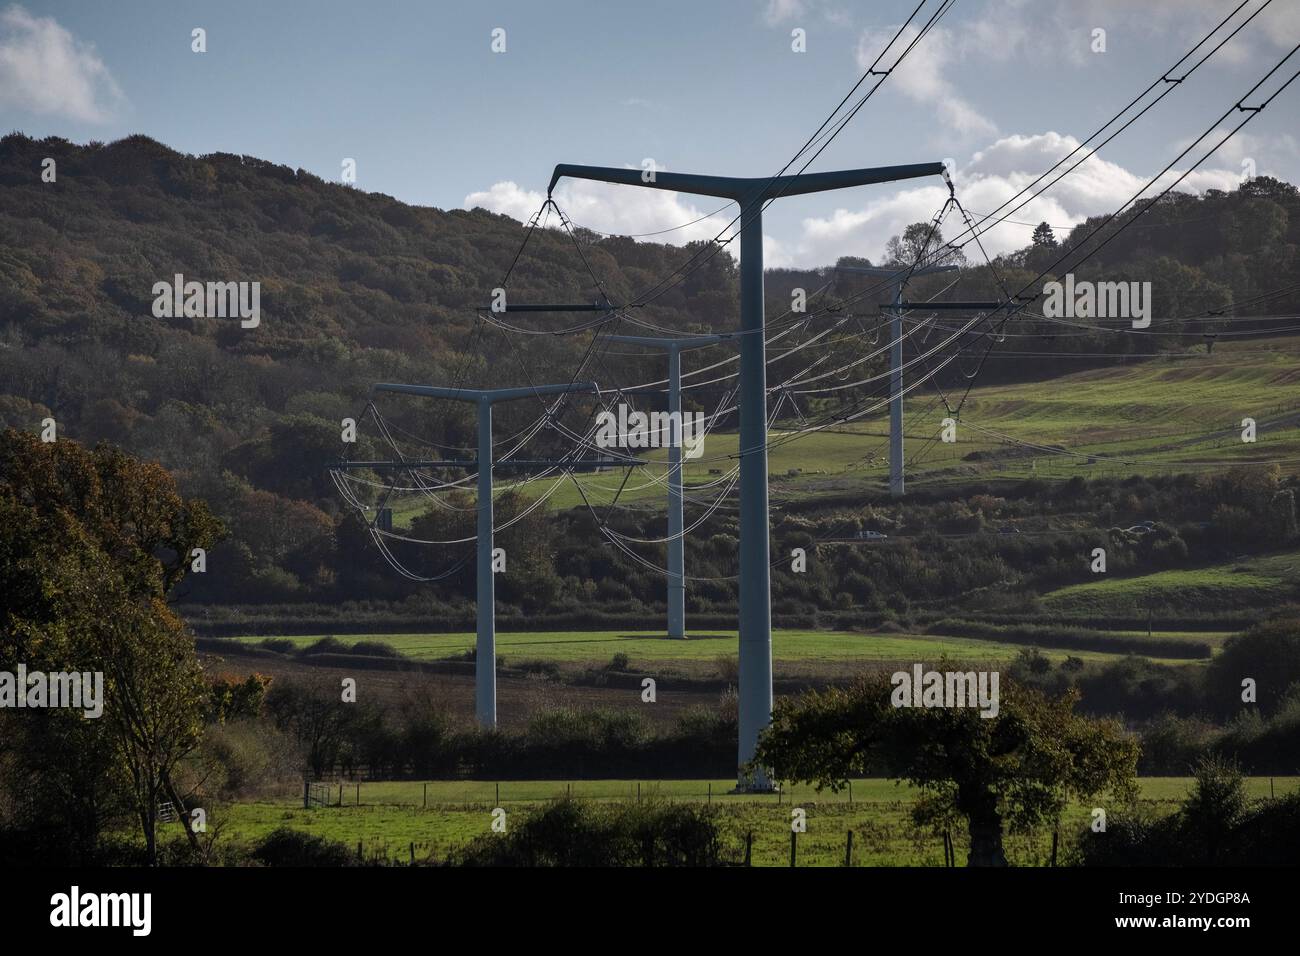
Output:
[[1016, 770], [91, 543]]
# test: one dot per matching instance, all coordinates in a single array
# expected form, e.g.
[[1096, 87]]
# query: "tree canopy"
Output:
[[1017, 769]]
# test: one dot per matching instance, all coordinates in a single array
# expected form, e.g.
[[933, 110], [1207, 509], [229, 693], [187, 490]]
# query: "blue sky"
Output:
[[414, 93]]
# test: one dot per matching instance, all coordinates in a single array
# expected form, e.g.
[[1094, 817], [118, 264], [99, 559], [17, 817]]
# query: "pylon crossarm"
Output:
[[388, 465], [572, 307], [901, 272], [745, 188], [515, 463], [948, 306], [489, 395], [667, 342]]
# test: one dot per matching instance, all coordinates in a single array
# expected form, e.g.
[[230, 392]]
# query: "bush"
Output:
[[1216, 824], [326, 645], [375, 649], [572, 832], [287, 847], [1269, 653], [245, 757]]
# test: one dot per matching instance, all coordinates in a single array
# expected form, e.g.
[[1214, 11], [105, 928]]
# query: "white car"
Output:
[[871, 535]]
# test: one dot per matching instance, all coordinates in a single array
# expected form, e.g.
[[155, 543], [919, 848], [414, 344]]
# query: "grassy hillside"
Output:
[[1270, 580], [359, 288], [1156, 415]]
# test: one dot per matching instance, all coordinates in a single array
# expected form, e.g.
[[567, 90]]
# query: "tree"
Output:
[[1019, 768], [922, 242], [1269, 655], [91, 542], [1043, 249]]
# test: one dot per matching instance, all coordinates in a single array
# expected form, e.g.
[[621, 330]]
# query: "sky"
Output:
[[415, 94]]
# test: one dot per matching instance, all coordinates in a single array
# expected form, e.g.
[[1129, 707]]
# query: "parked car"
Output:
[[1139, 529], [1008, 529], [871, 535]]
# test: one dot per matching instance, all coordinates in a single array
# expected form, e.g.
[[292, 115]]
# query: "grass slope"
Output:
[[1273, 578], [1163, 414]]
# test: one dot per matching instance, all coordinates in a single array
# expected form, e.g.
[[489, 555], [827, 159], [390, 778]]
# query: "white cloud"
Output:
[[1264, 151], [507, 198], [921, 77], [44, 69], [1063, 28], [622, 210], [993, 176], [778, 11]]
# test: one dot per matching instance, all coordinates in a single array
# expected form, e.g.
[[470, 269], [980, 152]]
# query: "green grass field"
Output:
[[1273, 578], [392, 816], [788, 646], [1131, 417]]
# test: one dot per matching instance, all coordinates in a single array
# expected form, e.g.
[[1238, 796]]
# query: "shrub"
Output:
[[572, 832], [287, 847], [375, 649], [326, 645]]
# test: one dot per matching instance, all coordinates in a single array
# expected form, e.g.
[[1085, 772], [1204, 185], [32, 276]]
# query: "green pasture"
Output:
[[1148, 416], [1271, 578], [393, 816], [788, 646]]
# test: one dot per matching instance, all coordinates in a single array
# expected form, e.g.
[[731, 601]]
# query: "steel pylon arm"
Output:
[[670, 342], [746, 188], [489, 395], [898, 272]]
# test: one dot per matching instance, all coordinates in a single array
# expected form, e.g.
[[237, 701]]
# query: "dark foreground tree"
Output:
[[91, 542], [1018, 769]]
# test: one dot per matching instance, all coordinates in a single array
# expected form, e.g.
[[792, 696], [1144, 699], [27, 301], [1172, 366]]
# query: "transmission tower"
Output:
[[485, 678], [751, 194], [676, 523], [899, 277]]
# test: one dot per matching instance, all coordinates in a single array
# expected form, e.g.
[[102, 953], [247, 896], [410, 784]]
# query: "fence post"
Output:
[[848, 851], [412, 853], [426, 796], [359, 856], [340, 793], [358, 793], [306, 794], [794, 840], [851, 786], [749, 846], [710, 791]]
